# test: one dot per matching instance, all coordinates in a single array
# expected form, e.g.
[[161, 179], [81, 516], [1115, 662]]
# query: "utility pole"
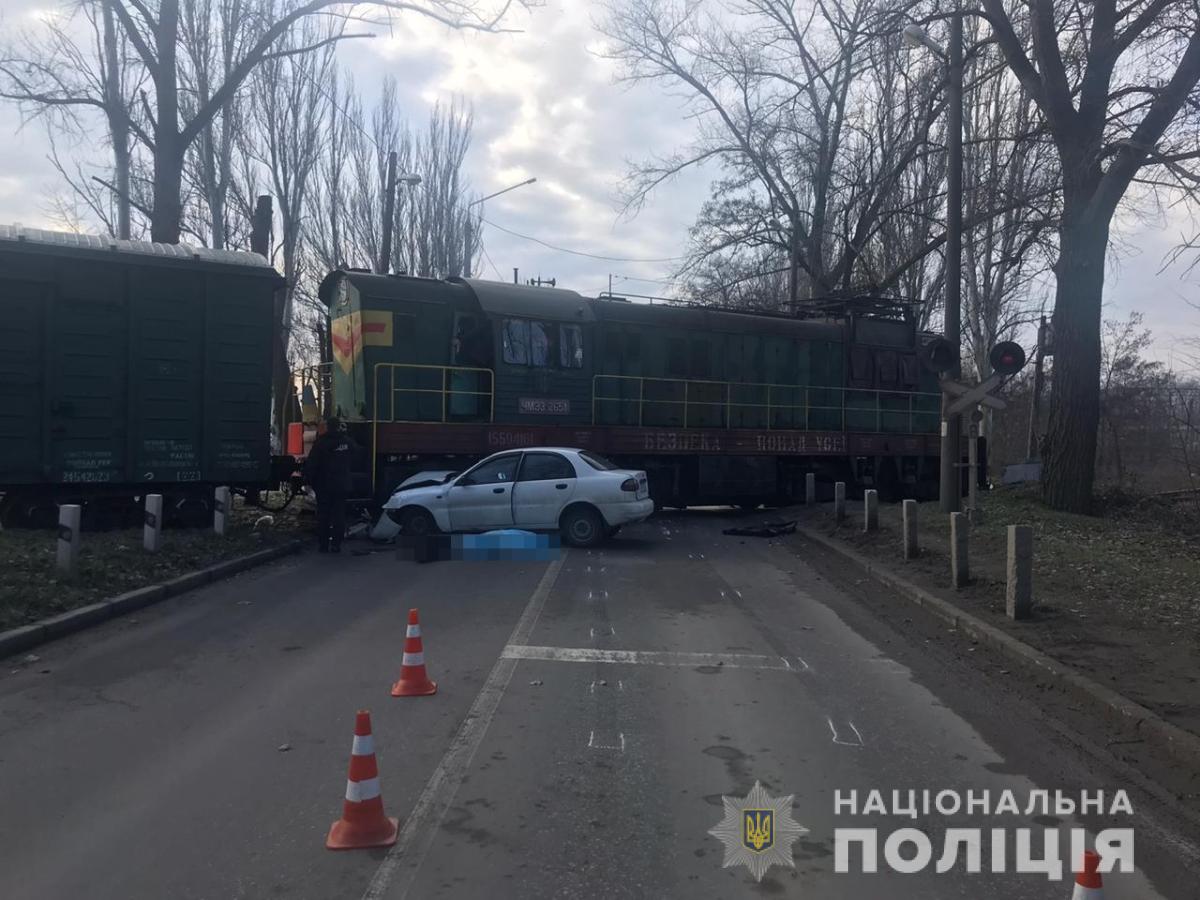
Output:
[[468, 240], [950, 487], [794, 268], [1035, 410], [515, 279], [389, 212]]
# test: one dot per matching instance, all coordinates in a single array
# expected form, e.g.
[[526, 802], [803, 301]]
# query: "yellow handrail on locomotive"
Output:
[[444, 391], [728, 404]]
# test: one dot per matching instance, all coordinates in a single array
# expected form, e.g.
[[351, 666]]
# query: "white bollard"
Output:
[[152, 531], [870, 510], [909, 513], [810, 488], [1018, 594], [68, 538], [221, 509], [839, 501]]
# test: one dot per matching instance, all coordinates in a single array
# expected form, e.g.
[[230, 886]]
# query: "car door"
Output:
[[545, 483], [481, 499]]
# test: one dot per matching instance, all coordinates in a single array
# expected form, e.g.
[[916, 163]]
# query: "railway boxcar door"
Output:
[[22, 376], [87, 365]]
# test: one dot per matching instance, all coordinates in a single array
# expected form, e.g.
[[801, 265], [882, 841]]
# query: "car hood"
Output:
[[422, 495]]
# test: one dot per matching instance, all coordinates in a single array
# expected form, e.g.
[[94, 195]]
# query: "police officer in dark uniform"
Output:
[[328, 469]]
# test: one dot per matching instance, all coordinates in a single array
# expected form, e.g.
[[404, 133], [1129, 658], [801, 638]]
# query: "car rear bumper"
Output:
[[628, 513]]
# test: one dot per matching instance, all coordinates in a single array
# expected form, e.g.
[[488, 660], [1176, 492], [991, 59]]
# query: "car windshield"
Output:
[[598, 462]]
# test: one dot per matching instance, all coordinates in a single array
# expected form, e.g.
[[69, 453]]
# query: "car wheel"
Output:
[[416, 522], [582, 527]]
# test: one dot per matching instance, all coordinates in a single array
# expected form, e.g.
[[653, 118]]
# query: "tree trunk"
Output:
[[168, 188], [118, 119], [1070, 453], [168, 150]]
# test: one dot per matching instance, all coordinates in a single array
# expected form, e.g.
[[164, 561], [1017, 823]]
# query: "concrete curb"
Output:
[[1183, 746], [17, 639]]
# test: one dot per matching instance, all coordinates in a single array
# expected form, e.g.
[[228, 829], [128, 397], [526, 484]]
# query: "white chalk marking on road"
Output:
[[785, 662], [620, 685], [608, 631], [739, 593], [837, 739], [646, 657], [421, 827], [596, 746]]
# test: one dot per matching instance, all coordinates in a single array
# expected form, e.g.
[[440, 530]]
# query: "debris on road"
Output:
[[766, 529], [536, 682], [284, 748]]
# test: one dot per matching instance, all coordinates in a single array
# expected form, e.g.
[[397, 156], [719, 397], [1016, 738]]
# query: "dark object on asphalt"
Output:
[[328, 469], [766, 529]]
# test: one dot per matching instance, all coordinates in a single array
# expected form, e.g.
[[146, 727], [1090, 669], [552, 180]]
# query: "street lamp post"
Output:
[[469, 231], [389, 210], [950, 489]]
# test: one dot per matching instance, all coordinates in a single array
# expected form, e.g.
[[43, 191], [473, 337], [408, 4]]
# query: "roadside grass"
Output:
[[1116, 595], [112, 562]]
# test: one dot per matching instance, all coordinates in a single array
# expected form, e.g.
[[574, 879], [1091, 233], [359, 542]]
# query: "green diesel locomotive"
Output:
[[718, 406]]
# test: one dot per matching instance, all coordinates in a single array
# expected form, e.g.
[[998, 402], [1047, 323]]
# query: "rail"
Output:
[[427, 393], [691, 403]]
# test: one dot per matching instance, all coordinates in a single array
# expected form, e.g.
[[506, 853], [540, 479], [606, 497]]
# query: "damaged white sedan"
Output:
[[575, 492]]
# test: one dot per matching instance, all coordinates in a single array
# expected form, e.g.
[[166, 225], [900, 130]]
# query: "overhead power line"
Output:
[[550, 246]]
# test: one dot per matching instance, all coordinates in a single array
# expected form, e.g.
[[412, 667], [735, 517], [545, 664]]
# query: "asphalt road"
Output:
[[592, 712]]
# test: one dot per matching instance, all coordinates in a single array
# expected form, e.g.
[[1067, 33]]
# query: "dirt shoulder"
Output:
[[1117, 597], [112, 562]]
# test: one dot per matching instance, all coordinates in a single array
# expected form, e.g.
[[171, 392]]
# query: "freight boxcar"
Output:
[[130, 368], [718, 406]]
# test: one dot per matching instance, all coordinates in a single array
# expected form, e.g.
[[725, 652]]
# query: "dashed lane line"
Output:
[[420, 829]]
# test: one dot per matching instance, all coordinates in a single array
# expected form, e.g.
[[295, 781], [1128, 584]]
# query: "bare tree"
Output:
[[67, 71], [190, 90], [1116, 87], [1010, 169]]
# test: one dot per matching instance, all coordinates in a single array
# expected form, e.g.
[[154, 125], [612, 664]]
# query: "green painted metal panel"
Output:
[[22, 398]]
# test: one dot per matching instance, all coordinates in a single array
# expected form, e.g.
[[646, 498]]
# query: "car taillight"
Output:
[[629, 484]]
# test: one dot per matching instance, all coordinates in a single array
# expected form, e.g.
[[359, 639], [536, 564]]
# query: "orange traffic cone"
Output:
[[1088, 885], [363, 823], [413, 680]]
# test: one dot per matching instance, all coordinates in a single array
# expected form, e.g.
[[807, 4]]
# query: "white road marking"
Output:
[[648, 657], [620, 746], [837, 739], [421, 827], [607, 631]]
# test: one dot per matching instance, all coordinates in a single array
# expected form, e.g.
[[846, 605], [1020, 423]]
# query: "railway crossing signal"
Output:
[[970, 396]]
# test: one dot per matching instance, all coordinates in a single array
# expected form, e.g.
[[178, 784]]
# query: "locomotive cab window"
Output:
[[570, 346], [543, 345], [516, 342]]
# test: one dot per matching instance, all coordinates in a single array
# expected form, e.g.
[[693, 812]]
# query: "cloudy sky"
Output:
[[548, 105]]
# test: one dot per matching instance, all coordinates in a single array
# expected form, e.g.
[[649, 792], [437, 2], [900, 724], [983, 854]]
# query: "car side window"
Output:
[[496, 471], [546, 467]]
